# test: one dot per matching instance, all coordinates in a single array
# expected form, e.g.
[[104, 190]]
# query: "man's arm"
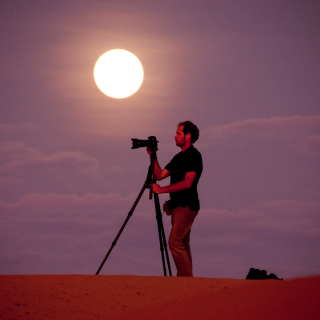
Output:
[[158, 172], [181, 185]]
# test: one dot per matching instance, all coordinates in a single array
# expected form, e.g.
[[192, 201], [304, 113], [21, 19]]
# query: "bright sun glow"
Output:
[[118, 73]]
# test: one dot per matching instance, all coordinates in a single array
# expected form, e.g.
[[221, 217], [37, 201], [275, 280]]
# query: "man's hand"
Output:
[[150, 151], [156, 188]]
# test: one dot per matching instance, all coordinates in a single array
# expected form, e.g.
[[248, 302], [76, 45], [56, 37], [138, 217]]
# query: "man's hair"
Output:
[[189, 127]]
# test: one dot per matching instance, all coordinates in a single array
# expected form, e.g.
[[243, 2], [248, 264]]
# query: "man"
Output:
[[184, 170]]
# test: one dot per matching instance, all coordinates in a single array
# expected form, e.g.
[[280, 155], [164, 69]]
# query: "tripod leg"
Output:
[[123, 226], [162, 237], [165, 246]]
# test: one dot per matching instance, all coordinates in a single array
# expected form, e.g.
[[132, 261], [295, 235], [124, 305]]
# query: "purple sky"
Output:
[[246, 72]]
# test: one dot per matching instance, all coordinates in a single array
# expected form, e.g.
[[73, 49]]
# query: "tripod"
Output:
[[162, 238]]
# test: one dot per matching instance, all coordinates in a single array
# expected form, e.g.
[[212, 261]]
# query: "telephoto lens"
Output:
[[151, 143]]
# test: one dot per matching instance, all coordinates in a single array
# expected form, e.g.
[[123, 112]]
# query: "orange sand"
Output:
[[134, 297]]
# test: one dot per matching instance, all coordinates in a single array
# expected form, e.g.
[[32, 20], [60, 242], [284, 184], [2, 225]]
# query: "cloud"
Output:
[[309, 145], [69, 204], [71, 234], [10, 128], [27, 170], [59, 164], [17, 159], [278, 128], [279, 138], [259, 160], [280, 236], [16, 151]]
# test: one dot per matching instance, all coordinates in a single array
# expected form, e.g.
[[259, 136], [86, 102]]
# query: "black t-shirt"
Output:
[[183, 162]]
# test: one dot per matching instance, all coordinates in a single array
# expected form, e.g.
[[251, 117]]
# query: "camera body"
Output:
[[151, 143]]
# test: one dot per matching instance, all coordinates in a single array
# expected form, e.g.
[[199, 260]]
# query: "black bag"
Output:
[[256, 274]]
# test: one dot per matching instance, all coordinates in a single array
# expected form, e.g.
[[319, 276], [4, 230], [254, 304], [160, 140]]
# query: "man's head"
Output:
[[187, 133], [189, 127]]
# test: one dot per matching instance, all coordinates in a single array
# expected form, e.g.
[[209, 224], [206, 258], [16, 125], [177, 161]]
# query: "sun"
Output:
[[118, 73]]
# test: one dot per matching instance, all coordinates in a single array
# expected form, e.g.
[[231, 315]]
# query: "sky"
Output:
[[245, 72]]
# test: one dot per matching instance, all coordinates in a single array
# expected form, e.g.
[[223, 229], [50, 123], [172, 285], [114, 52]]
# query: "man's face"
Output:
[[180, 137]]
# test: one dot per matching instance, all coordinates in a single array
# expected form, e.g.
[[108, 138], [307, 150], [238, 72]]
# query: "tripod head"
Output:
[[152, 145]]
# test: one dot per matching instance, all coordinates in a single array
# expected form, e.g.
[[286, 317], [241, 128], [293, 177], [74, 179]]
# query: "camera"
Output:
[[151, 143]]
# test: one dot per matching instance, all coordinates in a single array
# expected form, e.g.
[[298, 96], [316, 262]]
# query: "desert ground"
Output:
[[147, 297]]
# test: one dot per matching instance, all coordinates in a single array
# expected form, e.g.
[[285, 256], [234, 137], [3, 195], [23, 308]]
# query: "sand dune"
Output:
[[136, 297]]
